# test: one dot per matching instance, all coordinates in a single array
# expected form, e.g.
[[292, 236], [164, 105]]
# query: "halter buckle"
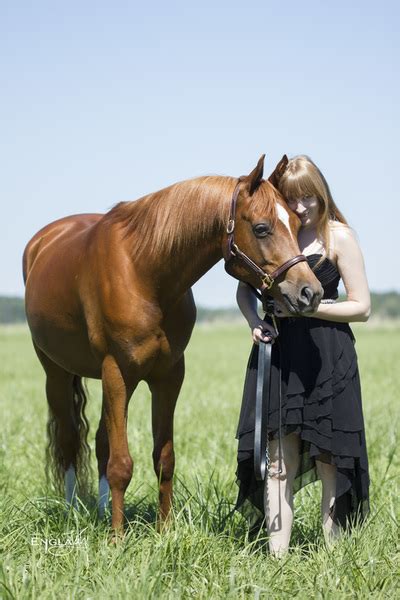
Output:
[[267, 281], [231, 226]]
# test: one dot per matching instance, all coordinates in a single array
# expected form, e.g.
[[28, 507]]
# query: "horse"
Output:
[[108, 296]]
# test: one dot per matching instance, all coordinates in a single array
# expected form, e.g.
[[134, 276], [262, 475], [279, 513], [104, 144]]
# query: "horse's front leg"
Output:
[[165, 392], [116, 395]]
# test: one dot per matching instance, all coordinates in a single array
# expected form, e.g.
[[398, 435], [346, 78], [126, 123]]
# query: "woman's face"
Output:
[[306, 208]]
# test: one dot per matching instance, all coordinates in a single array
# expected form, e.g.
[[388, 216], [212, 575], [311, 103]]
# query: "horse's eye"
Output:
[[261, 230]]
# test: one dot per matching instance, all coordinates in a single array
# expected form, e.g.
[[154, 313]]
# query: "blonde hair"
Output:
[[303, 178]]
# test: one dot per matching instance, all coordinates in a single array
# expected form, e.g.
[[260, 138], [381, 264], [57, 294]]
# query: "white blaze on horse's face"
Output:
[[284, 217]]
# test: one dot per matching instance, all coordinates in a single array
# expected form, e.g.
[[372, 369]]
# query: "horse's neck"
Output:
[[186, 261], [180, 271], [176, 235]]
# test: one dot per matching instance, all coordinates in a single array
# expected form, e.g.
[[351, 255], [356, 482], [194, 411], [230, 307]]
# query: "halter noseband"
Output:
[[267, 280]]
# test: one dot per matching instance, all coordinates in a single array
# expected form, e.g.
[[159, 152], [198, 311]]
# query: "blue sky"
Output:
[[103, 102]]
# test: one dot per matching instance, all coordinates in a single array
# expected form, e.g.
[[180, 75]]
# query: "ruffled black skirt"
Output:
[[321, 402]]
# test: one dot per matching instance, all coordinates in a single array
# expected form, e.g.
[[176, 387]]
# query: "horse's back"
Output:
[[67, 231], [54, 256], [84, 296], [53, 262]]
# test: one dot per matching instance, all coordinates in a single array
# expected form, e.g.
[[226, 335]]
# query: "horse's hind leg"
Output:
[[67, 426], [164, 396], [102, 454]]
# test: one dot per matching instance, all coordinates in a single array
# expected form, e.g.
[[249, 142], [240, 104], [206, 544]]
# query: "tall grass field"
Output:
[[207, 552]]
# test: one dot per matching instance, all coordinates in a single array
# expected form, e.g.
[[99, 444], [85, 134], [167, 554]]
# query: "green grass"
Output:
[[206, 553]]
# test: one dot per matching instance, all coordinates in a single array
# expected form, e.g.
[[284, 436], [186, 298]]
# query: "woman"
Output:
[[315, 365]]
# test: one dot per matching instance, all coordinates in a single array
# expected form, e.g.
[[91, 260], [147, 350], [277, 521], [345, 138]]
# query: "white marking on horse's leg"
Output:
[[284, 217], [70, 486], [104, 493]]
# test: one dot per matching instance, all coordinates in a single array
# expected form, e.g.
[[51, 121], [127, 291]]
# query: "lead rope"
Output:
[[280, 418], [262, 458], [267, 455], [280, 406]]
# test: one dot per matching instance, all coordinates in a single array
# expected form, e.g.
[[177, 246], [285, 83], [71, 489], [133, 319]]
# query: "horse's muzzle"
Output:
[[306, 301]]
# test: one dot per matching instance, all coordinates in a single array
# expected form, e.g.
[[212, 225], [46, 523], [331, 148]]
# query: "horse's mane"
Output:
[[172, 217]]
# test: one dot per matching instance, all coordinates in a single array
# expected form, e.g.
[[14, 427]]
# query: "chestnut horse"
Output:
[[108, 297]]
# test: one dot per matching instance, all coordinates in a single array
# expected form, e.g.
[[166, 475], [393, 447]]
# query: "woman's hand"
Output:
[[260, 330], [263, 333]]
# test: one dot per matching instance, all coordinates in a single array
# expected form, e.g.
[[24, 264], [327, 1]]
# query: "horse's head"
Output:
[[262, 234]]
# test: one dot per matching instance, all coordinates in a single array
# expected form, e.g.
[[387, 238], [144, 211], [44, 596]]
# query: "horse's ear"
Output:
[[256, 176], [279, 171]]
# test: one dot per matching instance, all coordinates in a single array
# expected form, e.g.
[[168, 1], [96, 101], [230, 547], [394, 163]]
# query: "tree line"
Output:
[[385, 305]]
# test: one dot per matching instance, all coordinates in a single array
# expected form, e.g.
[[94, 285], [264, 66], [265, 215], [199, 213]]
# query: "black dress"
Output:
[[320, 401]]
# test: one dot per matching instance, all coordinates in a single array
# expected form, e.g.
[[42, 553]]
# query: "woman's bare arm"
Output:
[[350, 263]]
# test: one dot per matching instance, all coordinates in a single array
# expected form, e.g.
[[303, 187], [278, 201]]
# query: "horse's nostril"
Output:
[[306, 295]]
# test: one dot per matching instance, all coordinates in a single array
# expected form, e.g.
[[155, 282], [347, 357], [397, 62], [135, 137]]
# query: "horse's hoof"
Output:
[[163, 523], [116, 536]]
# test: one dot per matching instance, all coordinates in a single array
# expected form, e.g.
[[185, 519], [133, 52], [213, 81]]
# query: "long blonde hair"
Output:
[[303, 178]]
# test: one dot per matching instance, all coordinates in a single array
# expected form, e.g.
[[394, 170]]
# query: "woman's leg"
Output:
[[327, 475], [278, 494]]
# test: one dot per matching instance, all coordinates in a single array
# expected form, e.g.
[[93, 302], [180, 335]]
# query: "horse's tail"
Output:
[[56, 460], [83, 458]]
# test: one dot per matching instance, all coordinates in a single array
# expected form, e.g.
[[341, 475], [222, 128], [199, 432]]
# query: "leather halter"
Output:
[[233, 251]]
